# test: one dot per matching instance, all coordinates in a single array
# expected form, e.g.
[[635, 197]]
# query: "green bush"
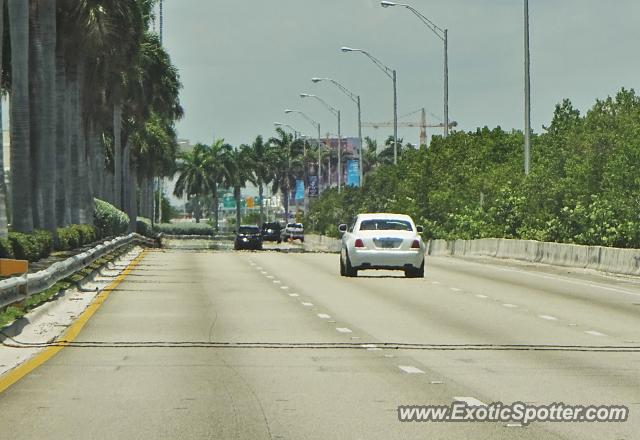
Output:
[[25, 246], [184, 228], [44, 242], [143, 227], [6, 251], [75, 236], [109, 220]]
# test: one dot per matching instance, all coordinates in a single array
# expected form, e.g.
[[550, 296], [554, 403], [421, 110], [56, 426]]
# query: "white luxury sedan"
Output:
[[382, 241]]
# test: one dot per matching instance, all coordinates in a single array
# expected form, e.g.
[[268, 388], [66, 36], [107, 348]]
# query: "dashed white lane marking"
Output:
[[344, 330], [510, 306], [293, 294], [513, 425], [594, 333], [284, 287], [436, 382], [435, 282], [548, 317], [482, 296], [410, 369], [470, 401], [371, 347], [323, 316], [270, 277], [259, 267], [264, 272], [306, 304], [455, 289], [277, 282]]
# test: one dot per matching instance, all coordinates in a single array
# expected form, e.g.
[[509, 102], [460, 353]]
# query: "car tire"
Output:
[[343, 271], [349, 270], [415, 273], [302, 240], [279, 241]]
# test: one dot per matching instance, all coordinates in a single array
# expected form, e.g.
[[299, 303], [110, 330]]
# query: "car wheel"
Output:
[[349, 270], [415, 273]]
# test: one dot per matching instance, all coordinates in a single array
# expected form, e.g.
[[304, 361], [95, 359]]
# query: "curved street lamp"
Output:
[[391, 73]]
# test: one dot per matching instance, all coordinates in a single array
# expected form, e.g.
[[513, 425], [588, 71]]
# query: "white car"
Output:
[[382, 241]]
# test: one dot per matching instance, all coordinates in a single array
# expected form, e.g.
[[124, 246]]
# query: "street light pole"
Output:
[[527, 91], [355, 98], [317, 126], [391, 74], [395, 119], [336, 113], [443, 34]]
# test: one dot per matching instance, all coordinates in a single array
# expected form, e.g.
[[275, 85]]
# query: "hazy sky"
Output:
[[242, 62]]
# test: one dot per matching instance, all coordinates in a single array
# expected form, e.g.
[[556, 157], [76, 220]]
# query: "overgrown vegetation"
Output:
[[584, 185], [184, 228], [109, 220]]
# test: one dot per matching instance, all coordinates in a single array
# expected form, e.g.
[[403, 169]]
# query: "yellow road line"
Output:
[[70, 334]]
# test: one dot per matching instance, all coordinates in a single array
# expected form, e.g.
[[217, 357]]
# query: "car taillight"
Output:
[[359, 243], [415, 244]]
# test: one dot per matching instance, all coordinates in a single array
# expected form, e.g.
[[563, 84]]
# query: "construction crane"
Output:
[[422, 124]]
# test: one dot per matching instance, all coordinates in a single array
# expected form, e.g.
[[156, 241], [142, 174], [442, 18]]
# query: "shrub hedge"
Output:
[[31, 247], [143, 227], [109, 220], [184, 228], [6, 250], [75, 236]]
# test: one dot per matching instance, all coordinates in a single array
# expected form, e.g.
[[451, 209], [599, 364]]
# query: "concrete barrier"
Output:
[[614, 260], [16, 289]]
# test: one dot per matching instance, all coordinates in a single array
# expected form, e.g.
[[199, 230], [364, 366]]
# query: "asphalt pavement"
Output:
[[216, 344]]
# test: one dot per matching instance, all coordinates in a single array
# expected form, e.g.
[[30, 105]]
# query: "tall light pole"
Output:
[[391, 73], [316, 125], [355, 98], [444, 36], [336, 112], [527, 91]]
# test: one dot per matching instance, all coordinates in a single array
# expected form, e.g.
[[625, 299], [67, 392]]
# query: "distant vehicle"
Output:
[[272, 232], [293, 231], [382, 241], [248, 237]]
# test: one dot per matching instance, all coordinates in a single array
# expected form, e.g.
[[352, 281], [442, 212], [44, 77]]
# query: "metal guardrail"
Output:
[[17, 289]]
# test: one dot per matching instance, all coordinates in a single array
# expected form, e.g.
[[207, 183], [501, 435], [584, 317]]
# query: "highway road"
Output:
[[320, 360]]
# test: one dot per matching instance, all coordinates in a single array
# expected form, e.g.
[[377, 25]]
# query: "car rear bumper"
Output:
[[381, 259]]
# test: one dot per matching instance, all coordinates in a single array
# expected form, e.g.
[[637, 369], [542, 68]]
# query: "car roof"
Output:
[[384, 215]]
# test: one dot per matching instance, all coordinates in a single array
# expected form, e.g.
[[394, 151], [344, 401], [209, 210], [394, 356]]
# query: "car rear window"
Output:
[[248, 230], [295, 225], [385, 225]]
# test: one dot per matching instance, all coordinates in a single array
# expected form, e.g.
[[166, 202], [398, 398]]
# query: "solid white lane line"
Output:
[[470, 401], [557, 277], [371, 347], [482, 296], [548, 317], [511, 306], [410, 369], [293, 294], [594, 333], [307, 304], [323, 316], [343, 330]]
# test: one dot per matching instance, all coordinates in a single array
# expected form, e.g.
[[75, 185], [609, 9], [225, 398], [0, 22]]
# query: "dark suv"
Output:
[[248, 237], [271, 232]]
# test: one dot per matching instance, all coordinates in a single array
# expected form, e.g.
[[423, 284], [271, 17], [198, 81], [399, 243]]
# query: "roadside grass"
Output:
[[14, 312]]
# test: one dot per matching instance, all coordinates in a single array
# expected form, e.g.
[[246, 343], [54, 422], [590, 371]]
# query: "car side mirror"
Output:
[[342, 228], [420, 229]]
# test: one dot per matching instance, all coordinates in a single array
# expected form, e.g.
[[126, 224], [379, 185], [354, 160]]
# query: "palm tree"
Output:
[[219, 166], [285, 166], [20, 122], [3, 188], [193, 178], [241, 171], [369, 155], [261, 169]]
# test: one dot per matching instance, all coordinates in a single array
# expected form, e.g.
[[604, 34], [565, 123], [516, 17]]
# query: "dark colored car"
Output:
[[271, 232], [248, 237]]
